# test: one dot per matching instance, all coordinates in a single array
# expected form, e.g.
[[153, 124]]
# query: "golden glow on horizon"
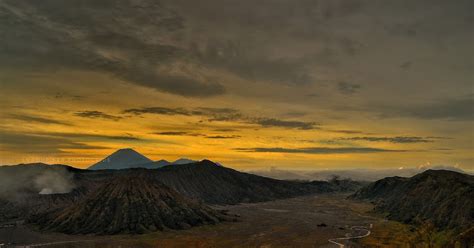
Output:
[[243, 85], [197, 138]]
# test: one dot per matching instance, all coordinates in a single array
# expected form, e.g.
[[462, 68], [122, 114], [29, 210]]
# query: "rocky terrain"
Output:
[[215, 184], [444, 198], [132, 203], [64, 199]]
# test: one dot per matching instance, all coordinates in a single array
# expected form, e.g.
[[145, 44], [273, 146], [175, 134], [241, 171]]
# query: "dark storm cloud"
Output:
[[451, 109], [460, 109], [398, 139], [318, 150], [224, 114], [147, 42], [29, 143], [37, 119], [110, 37], [237, 58], [97, 115], [348, 88]]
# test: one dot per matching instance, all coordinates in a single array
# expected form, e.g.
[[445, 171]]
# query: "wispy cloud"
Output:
[[37, 119], [157, 110], [225, 130], [345, 131], [271, 122], [97, 115], [224, 114], [223, 137], [397, 139], [317, 150], [88, 136], [30, 143], [178, 133]]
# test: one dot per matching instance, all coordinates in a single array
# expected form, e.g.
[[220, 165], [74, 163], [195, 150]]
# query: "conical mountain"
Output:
[[122, 159], [129, 204]]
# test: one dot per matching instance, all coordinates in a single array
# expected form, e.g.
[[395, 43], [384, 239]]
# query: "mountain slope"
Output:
[[215, 184], [445, 198], [139, 200], [121, 159], [132, 203]]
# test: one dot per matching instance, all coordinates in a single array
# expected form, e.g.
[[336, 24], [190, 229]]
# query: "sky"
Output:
[[291, 84]]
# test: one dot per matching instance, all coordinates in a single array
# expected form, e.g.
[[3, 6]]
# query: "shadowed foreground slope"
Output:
[[445, 198], [133, 203]]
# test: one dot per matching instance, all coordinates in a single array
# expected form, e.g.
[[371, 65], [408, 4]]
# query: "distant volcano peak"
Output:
[[121, 159]]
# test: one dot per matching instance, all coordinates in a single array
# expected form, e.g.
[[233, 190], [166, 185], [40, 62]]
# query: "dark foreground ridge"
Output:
[[132, 204], [445, 198]]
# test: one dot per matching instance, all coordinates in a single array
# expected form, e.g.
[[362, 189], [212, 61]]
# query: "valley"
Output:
[[307, 221], [205, 204]]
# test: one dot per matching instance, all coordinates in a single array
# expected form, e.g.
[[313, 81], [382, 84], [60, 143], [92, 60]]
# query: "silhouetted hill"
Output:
[[122, 159], [128, 158], [131, 203], [443, 197], [215, 184], [184, 161], [162, 163]]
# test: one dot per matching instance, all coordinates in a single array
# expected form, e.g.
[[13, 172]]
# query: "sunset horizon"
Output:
[[236, 123]]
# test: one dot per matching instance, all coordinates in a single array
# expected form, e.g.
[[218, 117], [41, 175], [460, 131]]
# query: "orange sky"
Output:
[[321, 86]]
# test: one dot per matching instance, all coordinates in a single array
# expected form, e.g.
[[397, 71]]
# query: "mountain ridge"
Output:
[[445, 198], [127, 158]]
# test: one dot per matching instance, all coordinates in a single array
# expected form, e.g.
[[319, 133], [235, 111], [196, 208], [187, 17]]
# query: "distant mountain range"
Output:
[[445, 198], [119, 195], [128, 158], [359, 174]]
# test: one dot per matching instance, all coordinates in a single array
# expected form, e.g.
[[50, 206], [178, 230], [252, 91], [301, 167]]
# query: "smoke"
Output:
[[18, 181], [54, 182], [46, 191]]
